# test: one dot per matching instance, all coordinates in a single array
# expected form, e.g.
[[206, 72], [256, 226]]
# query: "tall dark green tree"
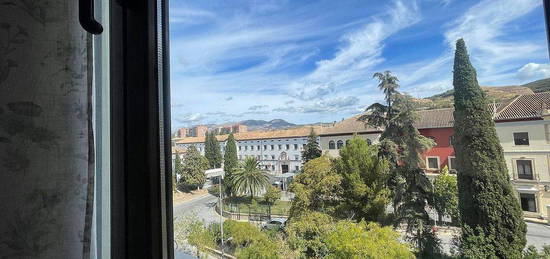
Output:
[[312, 149], [492, 224], [212, 150], [230, 163], [178, 170]]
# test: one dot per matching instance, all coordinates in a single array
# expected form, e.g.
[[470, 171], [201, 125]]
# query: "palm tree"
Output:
[[249, 178]]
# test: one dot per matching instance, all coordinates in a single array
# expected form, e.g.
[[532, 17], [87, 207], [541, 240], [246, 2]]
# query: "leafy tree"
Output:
[[362, 240], [212, 151], [364, 176], [532, 253], [272, 195], [194, 165], [200, 237], [230, 163], [312, 149], [249, 178], [488, 207], [178, 170], [241, 233], [305, 233], [446, 195], [317, 188], [263, 249]]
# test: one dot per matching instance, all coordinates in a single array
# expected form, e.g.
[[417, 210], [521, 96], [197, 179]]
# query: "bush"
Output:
[[214, 190], [531, 252], [242, 233], [263, 249]]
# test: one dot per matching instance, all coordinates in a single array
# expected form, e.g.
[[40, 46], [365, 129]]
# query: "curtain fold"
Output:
[[46, 140]]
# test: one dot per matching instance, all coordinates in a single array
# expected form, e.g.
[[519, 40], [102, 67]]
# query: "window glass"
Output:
[[339, 144], [295, 146], [525, 169], [521, 138], [528, 202], [452, 166], [331, 145], [433, 163]]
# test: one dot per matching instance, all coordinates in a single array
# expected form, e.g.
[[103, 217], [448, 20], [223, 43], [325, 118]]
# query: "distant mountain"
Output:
[[538, 86], [267, 125], [495, 94]]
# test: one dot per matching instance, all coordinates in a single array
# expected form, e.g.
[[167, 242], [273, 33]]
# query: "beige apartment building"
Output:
[[523, 127]]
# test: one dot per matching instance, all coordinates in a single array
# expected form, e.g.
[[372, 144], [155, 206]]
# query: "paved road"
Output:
[[537, 235], [203, 207]]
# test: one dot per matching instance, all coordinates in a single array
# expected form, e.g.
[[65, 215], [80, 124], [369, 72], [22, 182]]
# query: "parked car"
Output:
[[276, 223]]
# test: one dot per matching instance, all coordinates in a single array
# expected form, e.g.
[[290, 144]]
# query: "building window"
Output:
[[272, 168], [369, 142], [287, 146], [252, 148], [331, 145], [240, 148], [433, 163], [297, 168], [452, 165], [525, 169], [521, 138], [272, 157], [272, 147], [265, 147], [265, 157], [304, 146], [528, 202], [296, 157], [245, 147], [339, 144], [295, 146], [451, 140], [259, 148], [279, 147]]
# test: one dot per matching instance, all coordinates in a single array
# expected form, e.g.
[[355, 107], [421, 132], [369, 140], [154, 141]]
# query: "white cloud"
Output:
[[336, 104], [190, 118], [534, 71], [189, 15], [361, 50]]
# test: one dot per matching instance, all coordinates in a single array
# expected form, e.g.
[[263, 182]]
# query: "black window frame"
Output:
[[521, 141], [331, 144], [524, 164], [436, 161], [140, 153], [524, 202]]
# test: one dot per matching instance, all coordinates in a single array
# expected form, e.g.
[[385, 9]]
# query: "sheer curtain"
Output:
[[46, 141]]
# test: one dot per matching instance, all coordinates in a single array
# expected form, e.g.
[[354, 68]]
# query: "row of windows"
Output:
[[524, 167], [272, 167], [339, 144], [266, 157], [272, 147]]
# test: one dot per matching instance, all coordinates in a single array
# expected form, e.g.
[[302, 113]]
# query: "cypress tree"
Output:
[[311, 150], [492, 224], [230, 161], [212, 151]]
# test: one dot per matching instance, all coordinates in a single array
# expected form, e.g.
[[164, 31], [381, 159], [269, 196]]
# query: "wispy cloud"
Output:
[[534, 71]]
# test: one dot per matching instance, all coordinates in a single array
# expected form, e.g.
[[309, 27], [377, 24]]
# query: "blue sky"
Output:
[[312, 60]]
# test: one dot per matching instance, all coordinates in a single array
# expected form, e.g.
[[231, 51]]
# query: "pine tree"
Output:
[[311, 150], [492, 221], [212, 150]]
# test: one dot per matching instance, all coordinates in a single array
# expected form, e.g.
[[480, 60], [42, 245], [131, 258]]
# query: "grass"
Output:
[[246, 205]]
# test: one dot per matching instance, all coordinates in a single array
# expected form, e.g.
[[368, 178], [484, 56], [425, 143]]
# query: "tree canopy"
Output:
[[312, 149], [249, 178], [492, 222], [194, 165], [212, 151]]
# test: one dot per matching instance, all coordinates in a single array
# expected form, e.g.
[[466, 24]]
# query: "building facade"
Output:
[[522, 125]]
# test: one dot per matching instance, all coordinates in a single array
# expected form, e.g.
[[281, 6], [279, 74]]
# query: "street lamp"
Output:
[[218, 172]]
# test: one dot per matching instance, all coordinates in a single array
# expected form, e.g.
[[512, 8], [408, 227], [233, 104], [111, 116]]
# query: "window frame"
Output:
[[140, 130], [428, 163], [339, 144], [523, 132], [534, 198], [532, 165], [331, 144]]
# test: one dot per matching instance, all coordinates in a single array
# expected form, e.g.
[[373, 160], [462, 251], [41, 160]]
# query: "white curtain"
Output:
[[46, 181]]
